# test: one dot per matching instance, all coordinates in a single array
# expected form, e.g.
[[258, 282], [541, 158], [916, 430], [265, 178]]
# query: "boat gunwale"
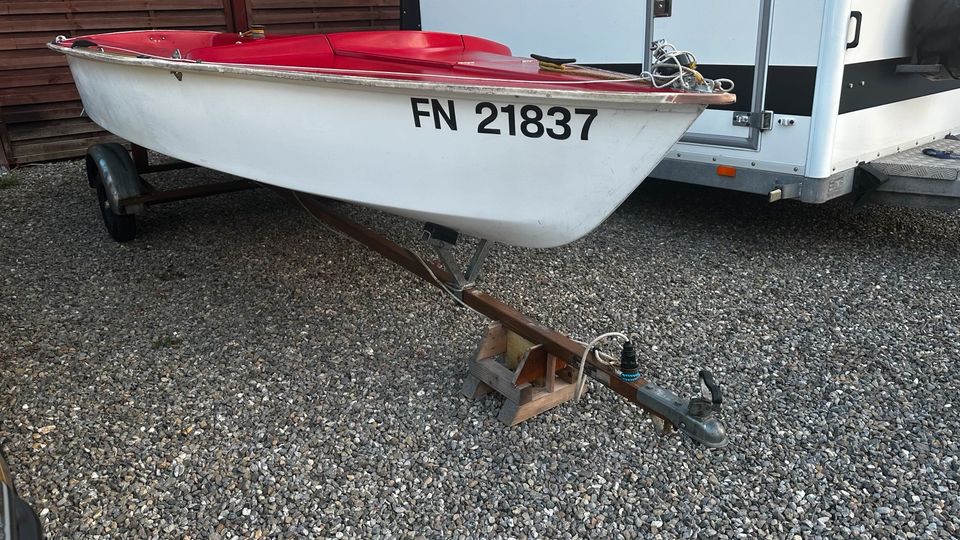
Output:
[[616, 98]]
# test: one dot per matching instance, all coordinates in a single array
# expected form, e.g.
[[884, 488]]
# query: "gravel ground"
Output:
[[240, 372]]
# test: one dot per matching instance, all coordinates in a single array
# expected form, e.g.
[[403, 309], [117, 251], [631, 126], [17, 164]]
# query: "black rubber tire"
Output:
[[122, 227], [93, 175]]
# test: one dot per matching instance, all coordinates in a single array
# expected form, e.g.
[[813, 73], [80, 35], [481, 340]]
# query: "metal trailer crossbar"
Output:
[[548, 363]]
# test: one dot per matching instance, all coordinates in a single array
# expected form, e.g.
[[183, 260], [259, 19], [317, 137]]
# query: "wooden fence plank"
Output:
[[22, 41], [36, 77], [6, 151], [37, 112], [74, 149], [268, 17], [43, 58], [306, 16], [33, 94], [20, 7], [59, 148], [91, 22], [31, 131], [344, 26]]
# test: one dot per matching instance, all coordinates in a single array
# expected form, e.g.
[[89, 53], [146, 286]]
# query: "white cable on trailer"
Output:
[[588, 348]]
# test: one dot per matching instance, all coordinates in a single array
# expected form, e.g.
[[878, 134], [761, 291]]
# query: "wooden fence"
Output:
[[40, 110]]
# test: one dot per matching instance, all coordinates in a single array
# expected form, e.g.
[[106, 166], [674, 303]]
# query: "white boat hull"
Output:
[[361, 143]]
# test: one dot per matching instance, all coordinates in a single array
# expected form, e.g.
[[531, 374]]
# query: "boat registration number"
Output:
[[533, 121]]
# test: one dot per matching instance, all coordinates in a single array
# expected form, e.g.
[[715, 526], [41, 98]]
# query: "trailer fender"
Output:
[[111, 165]]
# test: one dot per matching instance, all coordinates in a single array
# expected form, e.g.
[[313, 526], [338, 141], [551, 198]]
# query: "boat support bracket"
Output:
[[442, 240]]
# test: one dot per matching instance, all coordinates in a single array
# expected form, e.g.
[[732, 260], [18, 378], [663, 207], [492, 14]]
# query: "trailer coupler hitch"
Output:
[[697, 418]]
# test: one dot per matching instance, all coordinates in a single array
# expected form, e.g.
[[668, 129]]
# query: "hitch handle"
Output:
[[710, 389]]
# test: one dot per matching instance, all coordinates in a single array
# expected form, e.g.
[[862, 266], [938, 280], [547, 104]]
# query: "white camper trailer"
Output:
[[828, 104]]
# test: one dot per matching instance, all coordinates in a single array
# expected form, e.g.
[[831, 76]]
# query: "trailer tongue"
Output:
[[696, 417]]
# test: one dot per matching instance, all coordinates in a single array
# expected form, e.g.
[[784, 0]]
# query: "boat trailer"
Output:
[[533, 367]]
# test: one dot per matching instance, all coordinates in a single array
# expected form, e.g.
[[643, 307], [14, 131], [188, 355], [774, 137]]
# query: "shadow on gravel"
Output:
[[239, 213], [240, 371], [835, 224]]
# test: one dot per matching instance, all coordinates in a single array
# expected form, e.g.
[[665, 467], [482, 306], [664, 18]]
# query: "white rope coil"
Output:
[[669, 72]]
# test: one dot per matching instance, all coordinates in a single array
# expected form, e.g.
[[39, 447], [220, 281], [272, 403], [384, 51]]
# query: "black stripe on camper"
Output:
[[790, 89], [410, 15], [872, 84], [742, 77]]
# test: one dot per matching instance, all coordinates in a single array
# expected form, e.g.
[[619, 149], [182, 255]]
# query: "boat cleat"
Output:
[[697, 418]]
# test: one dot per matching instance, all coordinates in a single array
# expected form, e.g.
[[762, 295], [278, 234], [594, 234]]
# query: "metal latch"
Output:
[[761, 120], [662, 8]]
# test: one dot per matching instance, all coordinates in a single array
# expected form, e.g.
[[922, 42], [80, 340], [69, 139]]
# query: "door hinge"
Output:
[[762, 120], [662, 8]]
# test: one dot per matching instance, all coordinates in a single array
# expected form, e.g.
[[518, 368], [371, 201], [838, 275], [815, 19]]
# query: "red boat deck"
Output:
[[419, 56]]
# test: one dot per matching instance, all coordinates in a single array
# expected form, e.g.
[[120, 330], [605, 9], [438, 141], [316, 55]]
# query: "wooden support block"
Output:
[[532, 366], [501, 379], [513, 413], [494, 342], [550, 377], [517, 347], [567, 374], [522, 400], [536, 366], [474, 388]]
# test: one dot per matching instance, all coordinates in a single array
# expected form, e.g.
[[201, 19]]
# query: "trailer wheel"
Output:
[[111, 171], [95, 152], [122, 227]]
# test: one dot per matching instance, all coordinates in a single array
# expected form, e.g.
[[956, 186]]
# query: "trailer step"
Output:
[[913, 163], [913, 178]]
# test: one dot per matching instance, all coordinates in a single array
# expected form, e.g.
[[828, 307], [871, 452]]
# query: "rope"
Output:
[[588, 348], [680, 76]]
